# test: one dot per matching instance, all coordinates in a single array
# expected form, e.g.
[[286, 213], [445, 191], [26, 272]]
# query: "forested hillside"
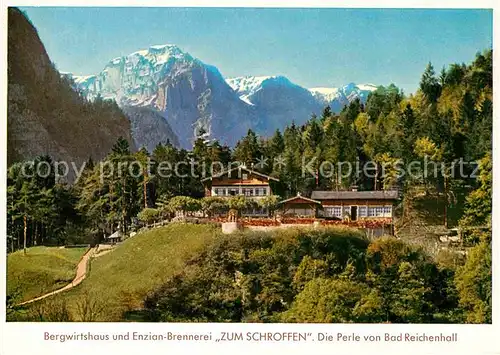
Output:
[[45, 115], [323, 276], [449, 118]]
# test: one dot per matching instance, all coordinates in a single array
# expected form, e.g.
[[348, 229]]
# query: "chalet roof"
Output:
[[114, 235], [228, 171], [355, 195], [299, 197]]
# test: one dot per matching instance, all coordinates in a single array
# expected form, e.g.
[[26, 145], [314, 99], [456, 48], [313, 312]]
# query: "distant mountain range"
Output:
[[170, 84]]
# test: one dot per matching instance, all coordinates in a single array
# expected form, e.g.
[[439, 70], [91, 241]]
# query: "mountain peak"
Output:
[[325, 93], [349, 86], [162, 47], [338, 97], [248, 85], [190, 94], [353, 87], [368, 87], [157, 55]]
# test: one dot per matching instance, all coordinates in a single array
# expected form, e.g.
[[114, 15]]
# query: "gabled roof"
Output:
[[228, 171], [299, 196], [114, 235], [356, 195]]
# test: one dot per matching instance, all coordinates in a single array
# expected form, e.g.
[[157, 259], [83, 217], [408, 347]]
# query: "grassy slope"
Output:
[[121, 279], [42, 270]]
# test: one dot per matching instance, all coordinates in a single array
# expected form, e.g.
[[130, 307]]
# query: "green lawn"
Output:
[[41, 270], [119, 280]]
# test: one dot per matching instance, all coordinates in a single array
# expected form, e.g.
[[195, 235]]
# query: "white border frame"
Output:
[[24, 338]]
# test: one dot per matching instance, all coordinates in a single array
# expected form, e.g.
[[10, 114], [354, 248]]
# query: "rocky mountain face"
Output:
[[149, 127], [44, 114], [193, 96], [190, 96], [277, 100]]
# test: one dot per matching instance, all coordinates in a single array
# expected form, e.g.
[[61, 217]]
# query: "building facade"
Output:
[[356, 204], [300, 206], [240, 181]]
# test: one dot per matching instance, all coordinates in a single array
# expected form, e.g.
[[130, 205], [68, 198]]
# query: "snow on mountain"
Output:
[[84, 80], [133, 79], [367, 87], [189, 94], [247, 86], [352, 90], [277, 100], [337, 98], [325, 94], [192, 96]]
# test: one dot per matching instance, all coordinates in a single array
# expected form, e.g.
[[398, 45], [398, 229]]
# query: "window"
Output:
[[333, 211], [307, 212], [362, 211], [248, 191], [260, 191], [388, 211], [244, 176], [260, 211], [245, 212], [233, 191], [254, 211], [377, 211]]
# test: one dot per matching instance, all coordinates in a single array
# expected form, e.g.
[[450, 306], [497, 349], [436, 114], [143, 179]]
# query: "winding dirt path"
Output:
[[81, 273]]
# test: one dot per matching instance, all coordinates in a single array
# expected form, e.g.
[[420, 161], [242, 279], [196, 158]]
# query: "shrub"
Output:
[[213, 204], [149, 215], [335, 301], [183, 204], [474, 284], [89, 307], [49, 310]]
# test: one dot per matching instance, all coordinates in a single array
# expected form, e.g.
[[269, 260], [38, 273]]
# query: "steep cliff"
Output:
[[188, 93], [149, 127], [44, 114]]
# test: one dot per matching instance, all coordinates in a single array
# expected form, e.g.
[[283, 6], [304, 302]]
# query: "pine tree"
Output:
[[429, 84], [277, 144], [142, 157], [247, 150]]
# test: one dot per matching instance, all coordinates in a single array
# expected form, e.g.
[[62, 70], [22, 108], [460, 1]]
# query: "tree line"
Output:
[[448, 118]]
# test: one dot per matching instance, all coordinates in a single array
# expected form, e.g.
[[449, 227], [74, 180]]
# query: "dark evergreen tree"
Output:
[[429, 84]]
